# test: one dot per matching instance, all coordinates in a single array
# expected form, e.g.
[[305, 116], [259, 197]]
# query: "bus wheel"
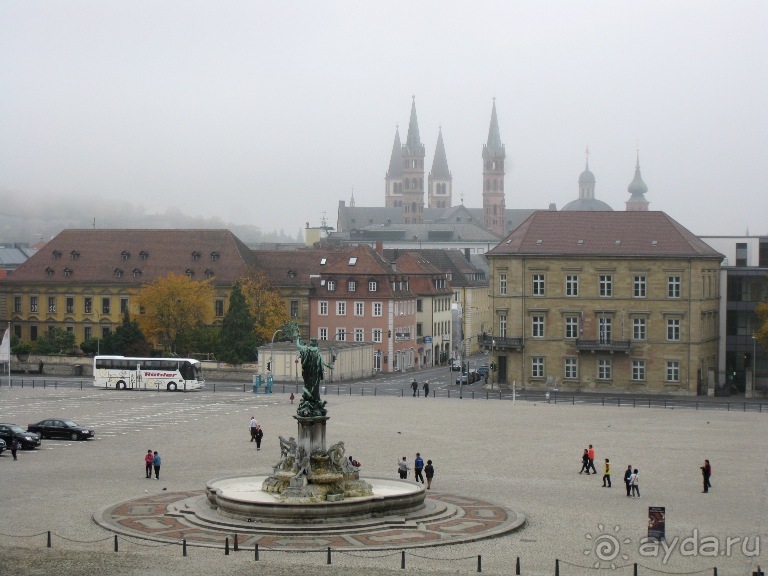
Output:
[[120, 385], [172, 387]]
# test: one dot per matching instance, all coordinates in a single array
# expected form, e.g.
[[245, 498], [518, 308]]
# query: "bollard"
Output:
[[473, 394], [634, 402], [573, 400], [256, 551], [402, 560], [329, 555], [350, 390], [115, 542], [49, 538], [697, 404], [81, 384], [214, 386], [517, 567], [665, 402], [480, 563], [486, 395], [635, 568], [714, 573], [236, 548], [557, 567], [226, 546], [184, 547], [603, 400], [649, 402], [729, 407]]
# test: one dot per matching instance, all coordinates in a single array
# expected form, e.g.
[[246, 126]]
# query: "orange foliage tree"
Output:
[[173, 306], [266, 305]]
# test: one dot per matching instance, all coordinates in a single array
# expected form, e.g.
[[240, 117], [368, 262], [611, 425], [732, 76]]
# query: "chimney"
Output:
[[380, 248]]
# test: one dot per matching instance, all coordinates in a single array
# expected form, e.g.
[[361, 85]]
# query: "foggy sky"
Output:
[[269, 113]]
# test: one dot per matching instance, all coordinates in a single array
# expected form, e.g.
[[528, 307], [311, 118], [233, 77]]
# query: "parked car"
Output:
[[69, 429], [3, 445], [468, 378], [27, 440]]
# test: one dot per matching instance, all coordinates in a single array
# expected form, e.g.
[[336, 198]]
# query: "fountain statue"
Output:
[[307, 471]]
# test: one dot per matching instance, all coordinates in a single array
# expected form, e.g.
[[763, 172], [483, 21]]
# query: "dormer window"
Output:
[[143, 254], [74, 254], [323, 261], [67, 272], [49, 272], [136, 273], [214, 256], [118, 273], [189, 272], [208, 273], [56, 254], [331, 285], [195, 255], [372, 286], [353, 261], [351, 285], [125, 255]]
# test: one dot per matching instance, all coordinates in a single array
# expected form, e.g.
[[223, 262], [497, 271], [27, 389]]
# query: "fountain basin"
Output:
[[242, 498]]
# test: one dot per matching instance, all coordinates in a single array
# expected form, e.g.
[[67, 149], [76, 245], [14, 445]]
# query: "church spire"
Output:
[[637, 189], [393, 181], [440, 181], [494, 205], [413, 142]]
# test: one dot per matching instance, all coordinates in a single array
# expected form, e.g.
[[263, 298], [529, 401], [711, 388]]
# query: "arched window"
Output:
[[488, 184], [495, 185]]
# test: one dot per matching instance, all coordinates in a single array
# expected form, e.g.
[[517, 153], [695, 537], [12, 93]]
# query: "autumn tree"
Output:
[[237, 341], [174, 306], [265, 304]]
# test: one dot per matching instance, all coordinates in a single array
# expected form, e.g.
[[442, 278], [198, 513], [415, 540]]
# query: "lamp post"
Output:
[[754, 364], [493, 345]]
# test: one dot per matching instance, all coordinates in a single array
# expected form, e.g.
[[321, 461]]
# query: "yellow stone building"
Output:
[[605, 301], [83, 280]]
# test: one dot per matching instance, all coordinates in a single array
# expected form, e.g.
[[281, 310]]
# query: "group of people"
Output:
[[415, 388], [631, 475], [419, 470], [152, 461], [256, 432]]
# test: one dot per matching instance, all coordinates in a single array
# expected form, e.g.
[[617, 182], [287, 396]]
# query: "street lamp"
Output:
[[754, 363], [493, 345]]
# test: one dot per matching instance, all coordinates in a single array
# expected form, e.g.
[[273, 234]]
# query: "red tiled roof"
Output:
[[112, 256], [641, 234]]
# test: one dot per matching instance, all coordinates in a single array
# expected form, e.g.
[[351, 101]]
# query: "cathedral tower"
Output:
[[393, 181], [413, 172], [440, 181], [637, 188], [493, 179]]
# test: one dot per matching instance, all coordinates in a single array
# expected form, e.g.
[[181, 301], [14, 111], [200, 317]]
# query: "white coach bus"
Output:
[[124, 373]]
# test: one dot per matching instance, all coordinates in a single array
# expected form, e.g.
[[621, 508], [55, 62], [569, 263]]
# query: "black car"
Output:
[[27, 440], [3, 445], [60, 428]]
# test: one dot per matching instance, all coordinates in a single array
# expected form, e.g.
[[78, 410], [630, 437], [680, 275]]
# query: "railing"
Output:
[[602, 345]]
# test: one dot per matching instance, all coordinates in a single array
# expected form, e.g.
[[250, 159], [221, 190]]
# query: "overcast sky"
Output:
[[270, 112]]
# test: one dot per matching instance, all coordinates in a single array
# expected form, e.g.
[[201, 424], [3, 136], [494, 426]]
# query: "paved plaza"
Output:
[[523, 457]]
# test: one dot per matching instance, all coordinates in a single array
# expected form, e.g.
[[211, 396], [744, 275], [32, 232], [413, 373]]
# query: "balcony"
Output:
[[488, 341], [602, 345]]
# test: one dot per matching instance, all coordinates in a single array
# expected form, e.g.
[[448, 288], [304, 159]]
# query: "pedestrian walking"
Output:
[[585, 462], [591, 454], [149, 460], [426, 389], [429, 472], [607, 474], [415, 386], [40, 366], [14, 448], [292, 397], [627, 478], [706, 472], [156, 461], [402, 468], [634, 482], [418, 466], [259, 435], [252, 425]]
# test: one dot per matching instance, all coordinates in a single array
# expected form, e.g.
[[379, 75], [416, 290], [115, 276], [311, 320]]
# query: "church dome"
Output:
[[586, 205], [587, 177]]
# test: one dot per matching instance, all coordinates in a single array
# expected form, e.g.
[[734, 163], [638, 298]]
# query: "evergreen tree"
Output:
[[237, 341], [128, 339]]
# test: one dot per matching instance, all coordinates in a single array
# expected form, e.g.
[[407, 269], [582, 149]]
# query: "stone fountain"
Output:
[[312, 482]]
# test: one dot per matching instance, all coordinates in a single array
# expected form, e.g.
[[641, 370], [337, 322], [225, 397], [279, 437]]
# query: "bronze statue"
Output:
[[312, 374]]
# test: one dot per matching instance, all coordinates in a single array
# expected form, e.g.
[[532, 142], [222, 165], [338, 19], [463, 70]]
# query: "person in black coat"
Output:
[[706, 472], [627, 478], [259, 435]]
